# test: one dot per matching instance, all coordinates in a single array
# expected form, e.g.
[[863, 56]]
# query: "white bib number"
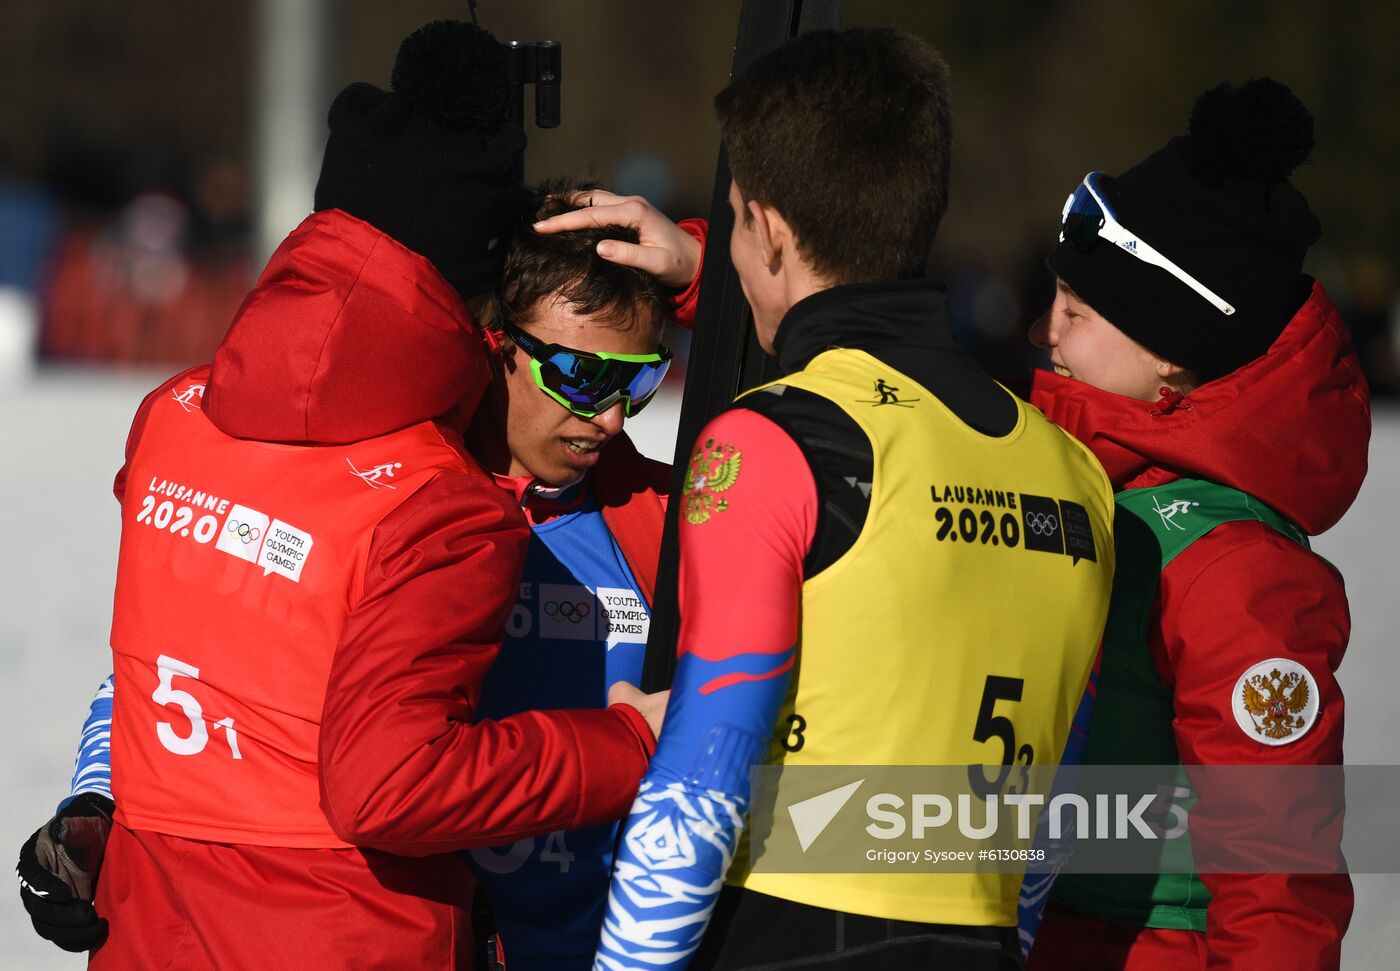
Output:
[[169, 668]]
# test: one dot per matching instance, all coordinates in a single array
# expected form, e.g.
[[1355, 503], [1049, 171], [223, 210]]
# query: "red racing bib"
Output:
[[240, 563]]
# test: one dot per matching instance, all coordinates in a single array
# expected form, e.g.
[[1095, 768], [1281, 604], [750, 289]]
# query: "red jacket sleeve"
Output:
[[688, 299], [1240, 596], [742, 549], [403, 767]]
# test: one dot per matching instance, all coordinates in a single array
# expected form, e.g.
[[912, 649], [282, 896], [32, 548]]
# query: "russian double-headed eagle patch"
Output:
[[1275, 701], [713, 469]]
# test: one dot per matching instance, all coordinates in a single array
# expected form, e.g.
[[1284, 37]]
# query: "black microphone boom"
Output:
[[541, 63]]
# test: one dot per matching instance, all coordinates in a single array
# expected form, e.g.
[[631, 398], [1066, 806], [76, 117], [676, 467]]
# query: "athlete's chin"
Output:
[[560, 476], [563, 465]]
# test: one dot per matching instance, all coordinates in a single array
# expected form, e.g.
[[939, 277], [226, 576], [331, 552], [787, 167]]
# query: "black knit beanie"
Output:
[[433, 162], [1216, 202]]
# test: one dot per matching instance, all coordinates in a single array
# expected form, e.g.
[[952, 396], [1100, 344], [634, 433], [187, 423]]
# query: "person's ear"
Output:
[[1175, 376], [508, 356], [773, 235], [500, 350], [505, 357]]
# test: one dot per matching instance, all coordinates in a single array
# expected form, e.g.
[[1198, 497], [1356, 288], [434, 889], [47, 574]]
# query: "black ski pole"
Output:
[[725, 358]]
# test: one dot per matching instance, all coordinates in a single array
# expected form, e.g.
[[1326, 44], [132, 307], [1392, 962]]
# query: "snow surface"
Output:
[[62, 433]]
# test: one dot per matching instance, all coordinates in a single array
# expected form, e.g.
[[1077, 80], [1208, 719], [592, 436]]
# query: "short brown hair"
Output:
[[847, 134], [542, 266]]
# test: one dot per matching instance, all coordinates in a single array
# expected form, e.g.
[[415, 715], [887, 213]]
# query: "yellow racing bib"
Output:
[[978, 588]]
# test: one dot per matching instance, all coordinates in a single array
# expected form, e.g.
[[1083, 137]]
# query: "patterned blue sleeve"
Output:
[[92, 769], [680, 837], [1036, 887]]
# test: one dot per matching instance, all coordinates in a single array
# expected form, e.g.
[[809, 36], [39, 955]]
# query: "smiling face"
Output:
[[546, 441], [1083, 345]]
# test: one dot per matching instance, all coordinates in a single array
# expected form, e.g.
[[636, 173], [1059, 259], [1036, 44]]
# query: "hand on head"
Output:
[[663, 249]]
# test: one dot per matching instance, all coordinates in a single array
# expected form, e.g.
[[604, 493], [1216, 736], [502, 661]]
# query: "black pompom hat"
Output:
[[1216, 202], [433, 162]]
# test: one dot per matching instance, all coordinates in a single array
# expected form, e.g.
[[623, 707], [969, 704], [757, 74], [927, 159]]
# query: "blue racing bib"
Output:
[[579, 625]]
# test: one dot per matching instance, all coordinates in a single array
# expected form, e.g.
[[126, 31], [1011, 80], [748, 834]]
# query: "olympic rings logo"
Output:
[[574, 613], [1042, 524], [243, 531]]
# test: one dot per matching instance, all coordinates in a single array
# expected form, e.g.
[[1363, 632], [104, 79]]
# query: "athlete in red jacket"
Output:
[[351, 343], [545, 914], [1191, 354], [403, 767]]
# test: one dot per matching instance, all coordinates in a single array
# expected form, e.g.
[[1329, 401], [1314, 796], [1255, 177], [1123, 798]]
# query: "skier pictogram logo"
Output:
[[887, 394], [190, 398], [374, 477], [1171, 511]]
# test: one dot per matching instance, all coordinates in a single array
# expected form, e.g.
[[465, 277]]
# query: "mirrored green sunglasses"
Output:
[[589, 383]]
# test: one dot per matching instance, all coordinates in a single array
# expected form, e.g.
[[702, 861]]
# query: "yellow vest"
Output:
[[959, 575]]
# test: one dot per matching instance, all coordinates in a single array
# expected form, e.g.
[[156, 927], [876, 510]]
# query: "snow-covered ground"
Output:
[[62, 433]]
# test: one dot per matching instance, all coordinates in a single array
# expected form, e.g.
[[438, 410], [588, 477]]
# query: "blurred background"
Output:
[[155, 152], [152, 153]]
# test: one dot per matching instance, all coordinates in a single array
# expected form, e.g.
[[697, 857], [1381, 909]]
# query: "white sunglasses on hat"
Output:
[[1088, 218]]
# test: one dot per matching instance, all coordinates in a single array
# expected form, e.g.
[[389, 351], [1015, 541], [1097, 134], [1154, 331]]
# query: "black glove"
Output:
[[58, 868]]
